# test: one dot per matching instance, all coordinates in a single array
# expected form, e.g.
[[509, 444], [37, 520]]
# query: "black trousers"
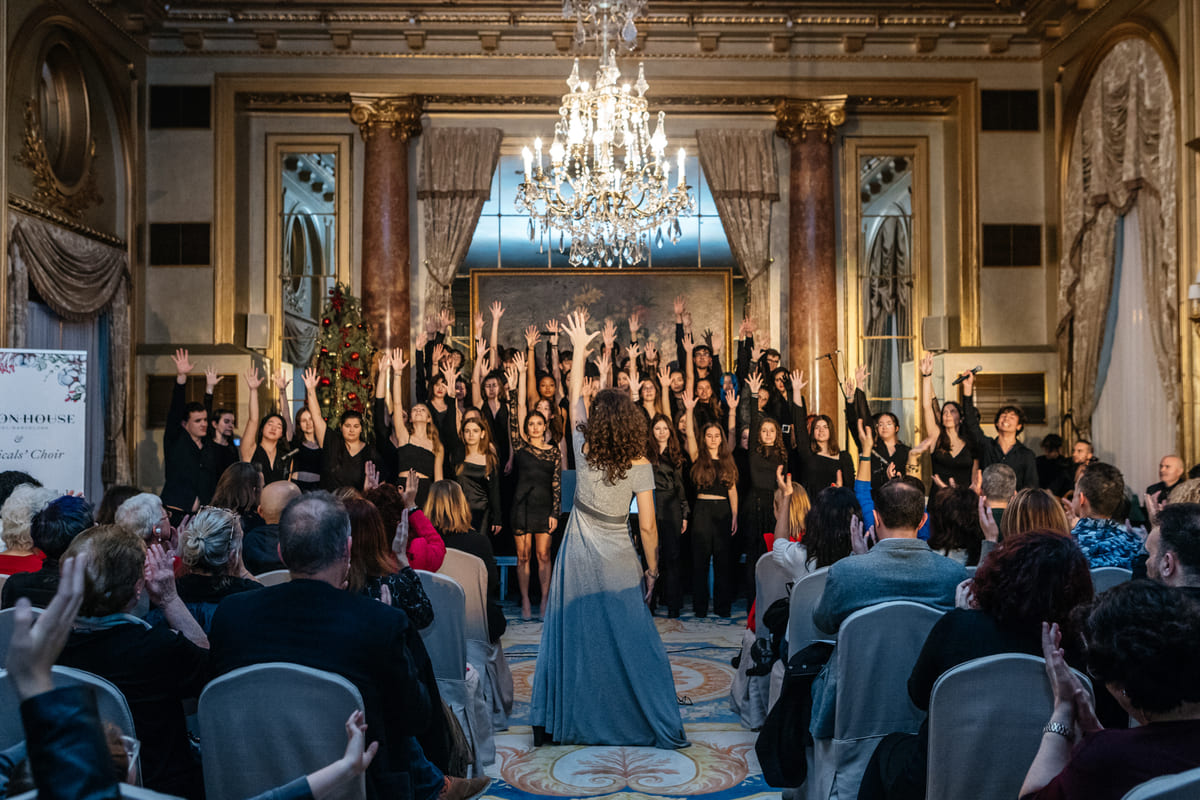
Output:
[[670, 562], [710, 527]]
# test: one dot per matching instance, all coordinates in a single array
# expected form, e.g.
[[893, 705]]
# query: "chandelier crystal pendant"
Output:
[[608, 185]]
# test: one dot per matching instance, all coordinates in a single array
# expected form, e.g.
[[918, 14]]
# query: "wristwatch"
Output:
[[1060, 728]]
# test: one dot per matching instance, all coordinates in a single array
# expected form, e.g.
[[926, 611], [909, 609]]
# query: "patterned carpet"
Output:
[[720, 763]]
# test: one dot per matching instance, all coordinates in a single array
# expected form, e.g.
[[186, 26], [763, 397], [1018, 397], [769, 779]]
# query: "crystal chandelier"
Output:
[[608, 184]]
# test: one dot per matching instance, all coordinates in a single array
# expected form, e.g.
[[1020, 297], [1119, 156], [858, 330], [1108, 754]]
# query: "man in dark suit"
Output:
[[312, 620]]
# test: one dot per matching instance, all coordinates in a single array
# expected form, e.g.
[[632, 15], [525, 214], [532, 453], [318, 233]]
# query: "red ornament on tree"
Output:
[[354, 356], [345, 344], [352, 396], [327, 322], [325, 381]]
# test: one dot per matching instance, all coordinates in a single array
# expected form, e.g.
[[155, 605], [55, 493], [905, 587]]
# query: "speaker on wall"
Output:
[[935, 334], [258, 331]]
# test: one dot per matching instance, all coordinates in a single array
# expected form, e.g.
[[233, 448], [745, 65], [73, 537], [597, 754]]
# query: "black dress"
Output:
[[414, 457], [339, 468], [271, 473], [818, 471], [538, 494], [949, 467], [307, 459], [482, 488]]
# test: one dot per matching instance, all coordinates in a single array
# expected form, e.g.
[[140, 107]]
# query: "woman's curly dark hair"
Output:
[[615, 434], [1034, 577], [1145, 638], [776, 453], [827, 525]]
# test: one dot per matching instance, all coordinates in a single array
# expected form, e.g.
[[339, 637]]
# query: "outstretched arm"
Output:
[[314, 406], [250, 431], [928, 401], [689, 420], [281, 381], [576, 328]]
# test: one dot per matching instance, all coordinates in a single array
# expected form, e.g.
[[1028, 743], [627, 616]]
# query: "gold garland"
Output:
[[47, 188]]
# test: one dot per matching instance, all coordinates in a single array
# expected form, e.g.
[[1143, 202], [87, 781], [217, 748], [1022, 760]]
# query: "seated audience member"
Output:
[[239, 490], [312, 621], [145, 515], [12, 478], [1031, 577], [379, 567], [426, 550], [1082, 453], [1184, 492], [450, 514], [1034, 510], [1143, 647], [899, 567], [52, 530], [154, 667], [106, 513], [260, 545], [998, 484], [1099, 495], [826, 529], [1053, 468], [191, 460], [1170, 475], [211, 552], [18, 511], [1173, 548], [954, 529], [66, 746]]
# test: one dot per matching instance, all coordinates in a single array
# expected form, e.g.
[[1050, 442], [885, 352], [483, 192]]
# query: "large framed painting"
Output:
[[534, 296]]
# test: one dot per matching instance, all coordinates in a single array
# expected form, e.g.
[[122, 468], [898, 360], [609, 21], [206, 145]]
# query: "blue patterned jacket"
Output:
[[1106, 542]]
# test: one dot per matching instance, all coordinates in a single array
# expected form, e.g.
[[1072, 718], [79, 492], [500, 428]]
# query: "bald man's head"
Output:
[[1170, 470], [274, 499]]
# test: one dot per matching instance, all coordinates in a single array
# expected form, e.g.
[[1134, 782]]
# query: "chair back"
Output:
[[1182, 786], [805, 596], [264, 725], [982, 741], [444, 637], [770, 584], [1105, 578], [274, 577], [7, 625], [3, 580], [471, 574], [876, 650], [110, 702]]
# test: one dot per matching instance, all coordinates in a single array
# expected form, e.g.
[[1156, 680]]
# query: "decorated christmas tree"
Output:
[[343, 358]]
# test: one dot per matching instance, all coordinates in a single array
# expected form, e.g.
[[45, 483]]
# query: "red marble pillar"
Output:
[[812, 313], [386, 124]]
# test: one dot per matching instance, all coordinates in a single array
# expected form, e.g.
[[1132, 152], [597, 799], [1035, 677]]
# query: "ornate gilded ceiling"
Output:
[[462, 27]]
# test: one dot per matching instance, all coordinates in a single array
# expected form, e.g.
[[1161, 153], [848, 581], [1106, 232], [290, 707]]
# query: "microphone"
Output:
[[973, 371], [830, 354]]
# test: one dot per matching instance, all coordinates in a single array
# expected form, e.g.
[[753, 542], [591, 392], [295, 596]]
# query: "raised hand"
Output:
[[651, 353], [371, 476], [253, 379], [968, 383], [680, 305], [159, 574], [439, 352], [687, 320], [924, 445], [310, 379], [445, 319], [281, 380], [37, 641], [610, 333], [689, 401], [422, 340], [718, 343], [511, 375], [633, 351], [798, 383], [576, 330], [927, 364], [211, 378], [987, 521], [532, 337], [743, 328], [689, 344], [431, 325], [751, 325], [848, 388], [478, 320], [866, 436], [519, 361], [552, 329], [1153, 503], [664, 375], [399, 361], [412, 485], [861, 374], [183, 364], [859, 543], [385, 361], [635, 322], [497, 309], [754, 383], [731, 399]]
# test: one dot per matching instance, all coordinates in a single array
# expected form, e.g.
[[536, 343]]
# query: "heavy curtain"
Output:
[[457, 165], [1122, 151], [79, 279], [889, 303], [739, 166]]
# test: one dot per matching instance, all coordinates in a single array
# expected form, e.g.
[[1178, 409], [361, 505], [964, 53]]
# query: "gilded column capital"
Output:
[[794, 118], [399, 115]]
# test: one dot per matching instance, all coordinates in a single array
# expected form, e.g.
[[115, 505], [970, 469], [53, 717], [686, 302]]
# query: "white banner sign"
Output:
[[43, 401]]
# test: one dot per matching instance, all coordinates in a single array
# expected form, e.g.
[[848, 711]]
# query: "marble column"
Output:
[[387, 124], [812, 313]]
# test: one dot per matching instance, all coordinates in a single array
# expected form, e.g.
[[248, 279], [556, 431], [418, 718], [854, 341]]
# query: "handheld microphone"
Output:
[[830, 354], [973, 371]]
